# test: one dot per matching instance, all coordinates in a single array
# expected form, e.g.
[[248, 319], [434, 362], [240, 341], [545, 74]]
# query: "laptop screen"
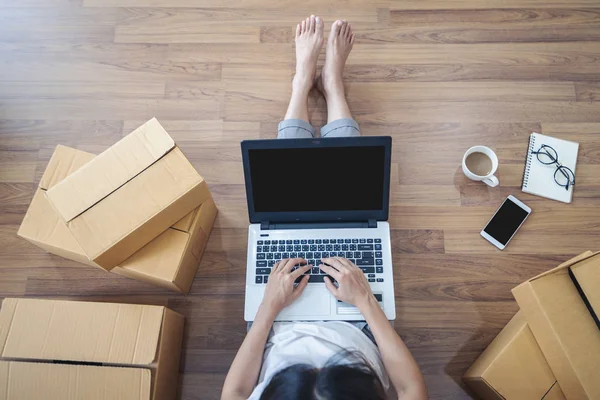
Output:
[[317, 180]]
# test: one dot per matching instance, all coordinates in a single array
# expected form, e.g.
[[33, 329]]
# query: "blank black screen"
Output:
[[317, 179], [506, 221]]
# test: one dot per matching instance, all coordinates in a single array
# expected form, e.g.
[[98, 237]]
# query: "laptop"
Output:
[[314, 199]]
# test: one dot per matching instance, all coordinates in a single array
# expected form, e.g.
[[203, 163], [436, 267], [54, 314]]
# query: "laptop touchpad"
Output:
[[312, 303]]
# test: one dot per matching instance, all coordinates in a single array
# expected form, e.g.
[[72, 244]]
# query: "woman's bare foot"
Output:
[[331, 83], [339, 46], [309, 40]]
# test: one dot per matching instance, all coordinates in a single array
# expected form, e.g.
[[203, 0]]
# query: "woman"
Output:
[[322, 360]]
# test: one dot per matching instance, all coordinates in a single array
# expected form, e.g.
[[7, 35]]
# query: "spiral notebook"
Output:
[[538, 178]]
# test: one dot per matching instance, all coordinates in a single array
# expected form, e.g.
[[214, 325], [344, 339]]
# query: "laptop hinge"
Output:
[[265, 226]]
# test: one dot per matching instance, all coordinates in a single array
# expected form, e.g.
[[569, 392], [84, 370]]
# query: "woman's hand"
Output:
[[353, 287], [280, 291]]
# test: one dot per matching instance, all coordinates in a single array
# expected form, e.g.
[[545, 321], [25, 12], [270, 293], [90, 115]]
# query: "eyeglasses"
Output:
[[563, 176]]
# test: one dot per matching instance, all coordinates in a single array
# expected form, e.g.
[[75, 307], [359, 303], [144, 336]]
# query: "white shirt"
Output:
[[314, 343]]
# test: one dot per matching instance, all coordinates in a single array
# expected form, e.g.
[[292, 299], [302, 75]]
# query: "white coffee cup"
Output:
[[488, 179]]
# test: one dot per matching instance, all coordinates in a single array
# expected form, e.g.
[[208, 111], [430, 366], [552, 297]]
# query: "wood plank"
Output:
[[277, 34], [554, 111], [71, 13], [469, 4], [119, 70], [587, 91], [488, 25], [261, 53], [81, 89], [87, 52], [308, 7], [417, 241], [414, 195], [573, 130], [59, 33], [464, 91], [42, 3], [68, 282], [161, 32], [17, 166], [411, 135], [209, 361], [455, 278], [14, 201], [199, 91], [497, 17], [278, 73], [17, 172], [416, 312], [474, 218], [455, 242], [111, 108], [539, 54], [58, 24], [197, 386], [458, 71], [20, 135], [186, 133]]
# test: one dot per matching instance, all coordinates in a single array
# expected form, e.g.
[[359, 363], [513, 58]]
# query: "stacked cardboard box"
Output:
[[564, 326], [139, 209], [513, 367], [55, 350], [551, 348]]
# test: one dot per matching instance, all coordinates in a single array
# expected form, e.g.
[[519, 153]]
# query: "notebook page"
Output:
[[539, 178]]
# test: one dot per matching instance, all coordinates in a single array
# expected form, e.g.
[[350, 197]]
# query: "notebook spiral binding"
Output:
[[530, 151]]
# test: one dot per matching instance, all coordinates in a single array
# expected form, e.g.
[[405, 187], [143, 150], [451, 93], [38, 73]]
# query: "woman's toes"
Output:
[[335, 28], [319, 24]]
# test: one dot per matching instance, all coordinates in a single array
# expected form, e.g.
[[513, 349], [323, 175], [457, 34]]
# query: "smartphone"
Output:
[[506, 222]]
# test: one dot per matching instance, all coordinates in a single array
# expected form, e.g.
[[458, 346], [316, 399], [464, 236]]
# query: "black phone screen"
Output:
[[506, 221]]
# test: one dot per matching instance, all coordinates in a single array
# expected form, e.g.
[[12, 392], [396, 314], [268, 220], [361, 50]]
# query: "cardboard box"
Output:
[[127, 195], [586, 278], [513, 367], [170, 260], [41, 225], [26, 381], [55, 349], [564, 328]]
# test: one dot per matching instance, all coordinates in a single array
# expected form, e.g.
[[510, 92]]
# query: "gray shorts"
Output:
[[299, 129]]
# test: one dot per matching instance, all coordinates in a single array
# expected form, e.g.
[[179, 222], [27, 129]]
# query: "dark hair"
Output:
[[355, 380]]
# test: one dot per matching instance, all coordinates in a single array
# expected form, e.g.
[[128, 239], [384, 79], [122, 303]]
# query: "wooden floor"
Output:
[[437, 75]]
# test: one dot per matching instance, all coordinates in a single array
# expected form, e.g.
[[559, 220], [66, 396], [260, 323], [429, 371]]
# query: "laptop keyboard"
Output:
[[365, 253]]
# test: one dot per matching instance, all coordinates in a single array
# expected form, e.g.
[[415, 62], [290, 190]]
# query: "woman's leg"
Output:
[[309, 40], [339, 119]]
